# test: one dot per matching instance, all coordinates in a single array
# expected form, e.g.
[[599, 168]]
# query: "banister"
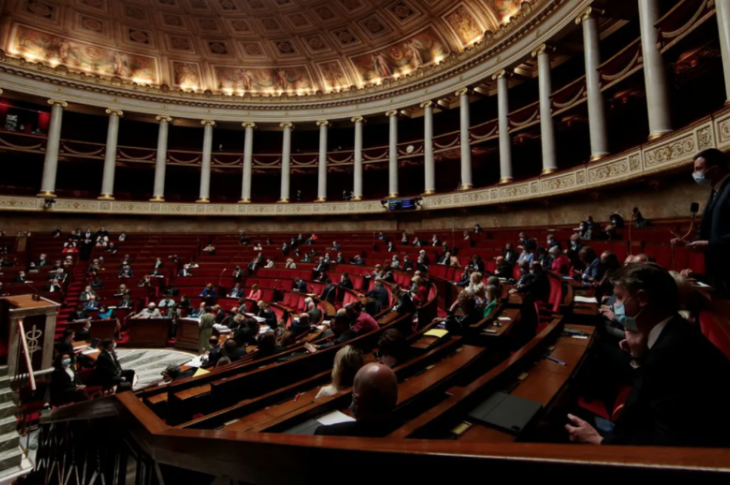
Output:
[[24, 343]]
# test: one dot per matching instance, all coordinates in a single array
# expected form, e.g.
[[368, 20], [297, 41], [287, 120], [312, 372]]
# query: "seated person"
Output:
[[145, 282], [374, 397], [340, 331], [420, 295], [393, 349], [80, 314], [346, 282], [677, 371], [379, 294], [255, 293], [361, 321], [403, 301], [126, 272], [493, 300], [54, 287], [66, 387], [299, 285], [200, 311], [535, 286], [561, 262], [236, 291], [122, 290], [315, 313], [105, 313], [208, 292], [166, 302], [301, 324], [267, 345], [150, 312], [92, 304], [348, 361], [126, 302], [185, 271], [267, 314], [329, 293], [87, 294], [108, 371], [460, 324], [216, 350], [232, 350]]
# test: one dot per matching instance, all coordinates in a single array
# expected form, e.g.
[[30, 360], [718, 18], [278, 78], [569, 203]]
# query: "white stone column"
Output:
[[428, 161], [393, 154], [547, 126], [158, 191], [53, 145], [206, 161], [466, 180], [723, 23], [322, 167], [505, 141], [596, 105], [357, 161], [110, 156], [247, 163], [655, 71], [286, 162]]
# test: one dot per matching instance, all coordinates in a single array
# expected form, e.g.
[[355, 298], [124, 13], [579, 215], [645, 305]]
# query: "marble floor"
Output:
[[148, 364]]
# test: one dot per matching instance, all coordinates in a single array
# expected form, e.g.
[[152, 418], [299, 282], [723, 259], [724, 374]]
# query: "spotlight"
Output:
[[48, 203]]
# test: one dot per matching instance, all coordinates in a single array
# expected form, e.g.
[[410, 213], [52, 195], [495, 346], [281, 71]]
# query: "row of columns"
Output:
[[658, 106]]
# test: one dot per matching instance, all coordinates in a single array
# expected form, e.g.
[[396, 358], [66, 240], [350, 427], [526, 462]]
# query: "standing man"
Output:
[[206, 330], [711, 169]]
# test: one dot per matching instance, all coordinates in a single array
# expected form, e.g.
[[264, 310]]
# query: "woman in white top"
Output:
[[476, 287], [348, 361], [269, 264], [395, 264], [290, 264]]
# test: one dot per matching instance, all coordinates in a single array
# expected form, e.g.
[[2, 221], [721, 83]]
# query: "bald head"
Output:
[[375, 393]]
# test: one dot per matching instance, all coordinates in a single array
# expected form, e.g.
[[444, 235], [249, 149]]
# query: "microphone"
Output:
[[37, 294], [221, 276]]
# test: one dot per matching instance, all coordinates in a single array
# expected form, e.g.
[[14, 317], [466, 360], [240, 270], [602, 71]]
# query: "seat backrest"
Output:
[[556, 293]]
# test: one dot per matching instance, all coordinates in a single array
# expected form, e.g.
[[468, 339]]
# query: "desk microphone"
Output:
[[221, 276], [37, 294]]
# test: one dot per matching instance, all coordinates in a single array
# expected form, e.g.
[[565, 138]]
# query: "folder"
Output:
[[505, 411]]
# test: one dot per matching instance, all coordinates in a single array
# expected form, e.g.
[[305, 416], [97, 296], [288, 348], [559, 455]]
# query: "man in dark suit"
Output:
[[329, 293], [379, 294], [711, 169], [346, 282], [535, 286], [299, 285], [232, 350], [66, 387], [509, 253], [677, 398], [108, 370], [374, 396], [404, 304], [21, 278], [185, 271], [594, 269]]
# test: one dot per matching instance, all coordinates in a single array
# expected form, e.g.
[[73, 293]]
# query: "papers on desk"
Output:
[[196, 362], [504, 319], [259, 319], [263, 330], [201, 372], [221, 328], [436, 332], [334, 417], [326, 322], [585, 299], [321, 327], [90, 351]]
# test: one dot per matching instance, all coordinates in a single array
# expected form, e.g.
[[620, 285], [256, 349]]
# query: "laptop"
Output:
[[506, 412]]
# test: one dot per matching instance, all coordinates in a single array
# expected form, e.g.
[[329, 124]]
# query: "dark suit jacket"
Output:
[[405, 304], [536, 287], [302, 287], [511, 256], [678, 397], [236, 354], [329, 293], [715, 228], [380, 295], [108, 372], [61, 382], [346, 284], [315, 315]]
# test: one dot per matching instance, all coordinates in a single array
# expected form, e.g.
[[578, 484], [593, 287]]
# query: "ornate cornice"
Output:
[[480, 56], [667, 154]]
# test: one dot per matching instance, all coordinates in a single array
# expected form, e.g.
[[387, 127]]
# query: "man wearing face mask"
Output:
[[66, 388], [711, 169], [108, 370], [676, 398]]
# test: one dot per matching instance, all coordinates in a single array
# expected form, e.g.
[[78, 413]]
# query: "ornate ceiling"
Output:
[[248, 46]]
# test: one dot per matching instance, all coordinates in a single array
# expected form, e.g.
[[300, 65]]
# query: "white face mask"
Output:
[[701, 178]]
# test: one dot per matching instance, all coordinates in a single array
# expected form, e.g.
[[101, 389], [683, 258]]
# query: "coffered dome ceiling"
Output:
[[248, 46]]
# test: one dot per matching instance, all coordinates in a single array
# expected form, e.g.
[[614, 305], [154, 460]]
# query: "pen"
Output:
[[556, 360], [297, 396]]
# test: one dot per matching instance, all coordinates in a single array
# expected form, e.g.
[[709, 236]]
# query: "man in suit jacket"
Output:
[[21, 278], [232, 350], [330, 292], [126, 302], [108, 370], [374, 396], [380, 295], [404, 304], [299, 285], [535, 286], [66, 387], [676, 399], [185, 271], [711, 169], [509, 253], [315, 313]]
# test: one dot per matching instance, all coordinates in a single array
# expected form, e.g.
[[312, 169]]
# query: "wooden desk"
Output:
[[150, 332], [91, 355]]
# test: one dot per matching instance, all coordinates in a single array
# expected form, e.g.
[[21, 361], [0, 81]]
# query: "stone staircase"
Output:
[[11, 456]]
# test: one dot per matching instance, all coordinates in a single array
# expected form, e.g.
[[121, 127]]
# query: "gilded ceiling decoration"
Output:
[[248, 46]]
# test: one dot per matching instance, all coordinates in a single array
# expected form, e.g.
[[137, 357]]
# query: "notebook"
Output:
[[505, 411]]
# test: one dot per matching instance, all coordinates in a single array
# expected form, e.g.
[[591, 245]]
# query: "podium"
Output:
[[39, 322]]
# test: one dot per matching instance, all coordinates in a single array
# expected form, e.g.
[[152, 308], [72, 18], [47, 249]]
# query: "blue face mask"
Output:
[[629, 323], [66, 362], [619, 313], [701, 178]]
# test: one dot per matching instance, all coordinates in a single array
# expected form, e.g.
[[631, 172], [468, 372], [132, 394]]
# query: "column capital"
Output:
[[462, 92], [589, 13], [164, 118], [321, 123], [391, 113], [286, 125], [543, 48], [54, 102], [357, 119], [248, 124], [1, 91], [207, 122], [501, 74], [426, 104], [113, 111]]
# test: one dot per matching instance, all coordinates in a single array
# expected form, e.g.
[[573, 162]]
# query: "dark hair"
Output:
[[530, 245], [223, 361], [653, 279], [67, 333], [588, 253], [230, 345], [393, 343], [107, 342], [713, 157], [267, 342]]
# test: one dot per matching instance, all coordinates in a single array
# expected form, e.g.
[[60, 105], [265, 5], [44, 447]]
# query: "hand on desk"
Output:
[[582, 432]]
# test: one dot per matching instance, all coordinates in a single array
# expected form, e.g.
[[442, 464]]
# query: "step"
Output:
[[11, 458], [6, 393], [7, 409], [9, 441], [8, 424], [3, 370]]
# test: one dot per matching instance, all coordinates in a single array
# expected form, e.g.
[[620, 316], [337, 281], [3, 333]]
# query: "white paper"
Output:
[[701, 284], [585, 299], [321, 327], [504, 319], [263, 330], [259, 319], [92, 351], [196, 362], [335, 417]]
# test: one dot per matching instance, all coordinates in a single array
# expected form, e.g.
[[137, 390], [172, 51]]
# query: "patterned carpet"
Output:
[[149, 363]]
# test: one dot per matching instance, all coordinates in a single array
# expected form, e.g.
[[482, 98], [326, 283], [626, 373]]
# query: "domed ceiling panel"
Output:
[[257, 46]]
